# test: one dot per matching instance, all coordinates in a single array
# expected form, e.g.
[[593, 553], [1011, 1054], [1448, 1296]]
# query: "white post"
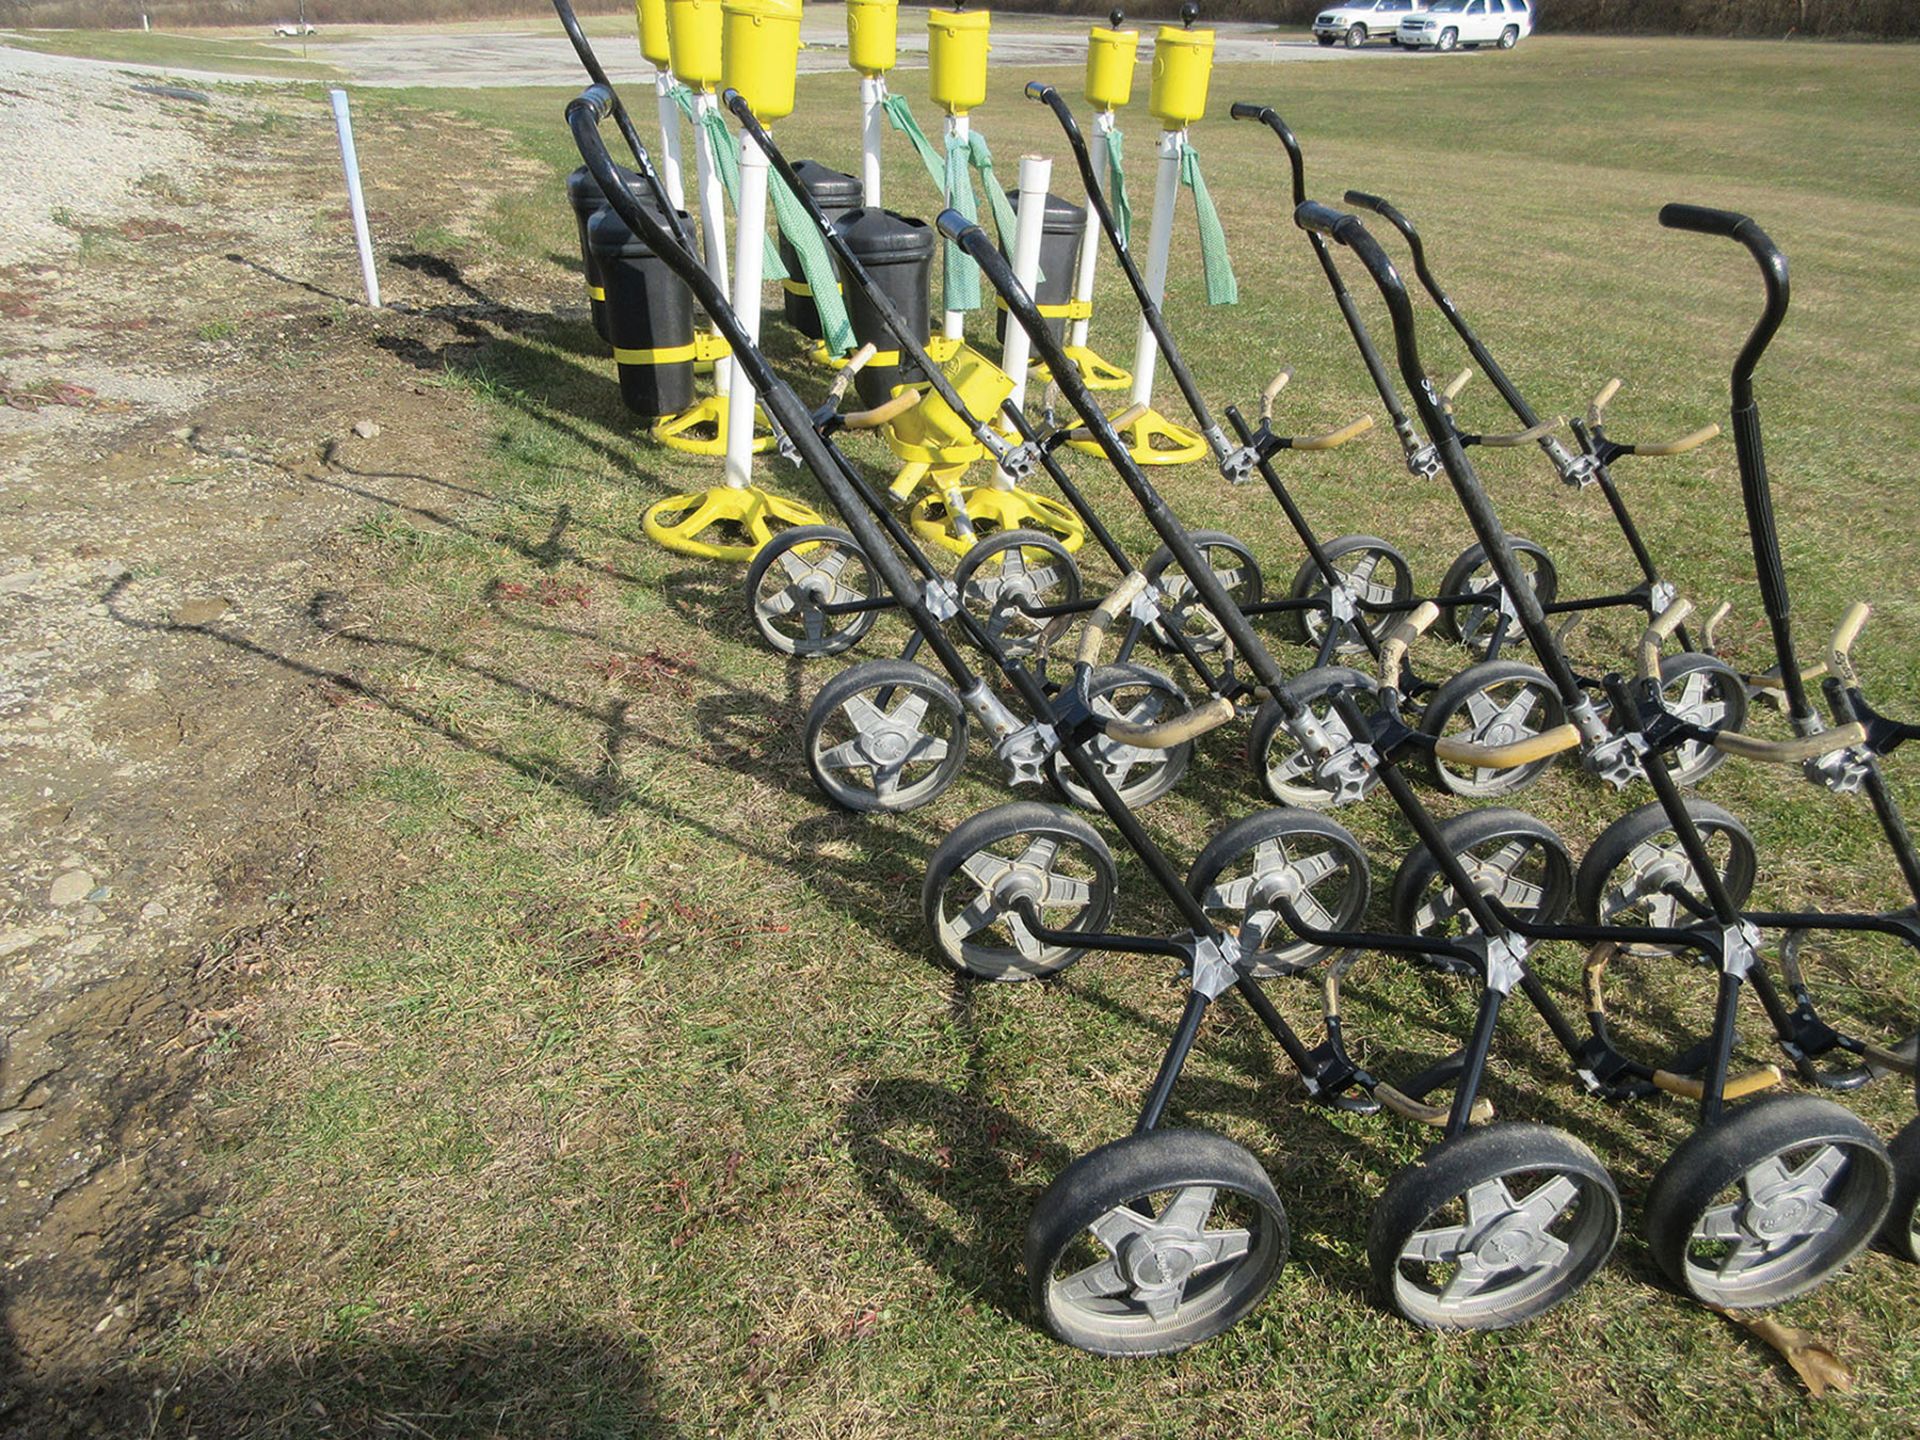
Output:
[[1090, 237], [350, 163], [145, 24], [955, 325], [713, 218], [1036, 173], [749, 259], [669, 166], [873, 128], [1166, 195]]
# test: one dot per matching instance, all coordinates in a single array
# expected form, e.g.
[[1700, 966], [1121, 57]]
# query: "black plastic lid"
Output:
[[884, 236], [611, 239], [583, 191], [1063, 217], [831, 189]]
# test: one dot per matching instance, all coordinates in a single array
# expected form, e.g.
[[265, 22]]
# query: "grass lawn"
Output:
[[183, 51], [649, 1108]]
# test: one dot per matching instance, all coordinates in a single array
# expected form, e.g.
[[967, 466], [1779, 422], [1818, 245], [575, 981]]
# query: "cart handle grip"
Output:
[[1247, 110], [1681, 446], [1393, 649], [1521, 437], [1451, 390], [1794, 751], [883, 414], [1119, 422], [1106, 612], [1703, 219], [1840, 647], [1516, 752], [1166, 734], [1597, 408], [1334, 439], [1408, 1108], [1737, 1086], [854, 365], [1272, 392], [1656, 634]]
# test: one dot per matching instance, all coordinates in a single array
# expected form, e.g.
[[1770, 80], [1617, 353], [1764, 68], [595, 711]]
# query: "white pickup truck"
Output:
[[1452, 24], [1355, 24]]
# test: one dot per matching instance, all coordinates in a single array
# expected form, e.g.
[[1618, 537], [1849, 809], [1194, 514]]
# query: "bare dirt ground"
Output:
[[183, 371]]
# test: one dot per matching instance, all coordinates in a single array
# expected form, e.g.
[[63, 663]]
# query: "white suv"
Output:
[[1452, 23], [1364, 20]]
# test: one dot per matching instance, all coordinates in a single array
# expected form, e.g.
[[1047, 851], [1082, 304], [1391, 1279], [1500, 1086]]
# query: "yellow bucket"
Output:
[[652, 15], [957, 53], [873, 26], [1182, 64], [762, 54], [693, 26], [1110, 57]]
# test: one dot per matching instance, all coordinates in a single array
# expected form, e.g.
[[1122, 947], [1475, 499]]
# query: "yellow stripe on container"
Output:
[[667, 355]]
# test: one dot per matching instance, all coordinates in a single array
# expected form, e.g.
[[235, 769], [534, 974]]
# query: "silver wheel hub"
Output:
[[1161, 1261]]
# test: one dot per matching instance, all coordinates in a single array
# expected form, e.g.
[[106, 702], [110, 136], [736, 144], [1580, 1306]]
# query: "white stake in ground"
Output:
[[350, 163], [657, 47]]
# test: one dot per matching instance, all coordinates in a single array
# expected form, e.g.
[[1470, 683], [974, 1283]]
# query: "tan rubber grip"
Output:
[[1272, 392], [1106, 612], [1712, 625], [1738, 1086], [1600, 401], [1594, 974], [1516, 752], [1658, 630], [1408, 1108], [1522, 437], [1840, 647], [1119, 422], [1770, 680], [1393, 649], [1168, 733], [854, 366], [883, 414], [1685, 443], [1453, 387], [1791, 752], [1887, 1059], [1334, 439]]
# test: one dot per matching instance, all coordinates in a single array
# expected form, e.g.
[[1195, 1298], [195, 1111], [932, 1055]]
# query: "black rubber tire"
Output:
[[995, 827], [1139, 1166], [1901, 1233], [885, 675], [1270, 747], [1546, 710], [1475, 629], [1509, 37], [1473, 835], [1449, 38], [1726, 694], [1201, 627], [1304, 828], [1446, 1172], [1327, 39], [838, 633], [1019, 635], [1165, 767], [1310, 625], [1355, 37], [1712, 1160], [1649, 824]]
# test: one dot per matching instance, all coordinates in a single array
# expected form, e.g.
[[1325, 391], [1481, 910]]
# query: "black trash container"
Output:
[[649, 319], [1059, 258], [835, 194], [585, 199], [897, 251]]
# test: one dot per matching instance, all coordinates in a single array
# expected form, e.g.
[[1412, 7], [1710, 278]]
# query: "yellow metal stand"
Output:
[[991, 510], [701, 429], [707, 348], [679, 522], [1152, 439]]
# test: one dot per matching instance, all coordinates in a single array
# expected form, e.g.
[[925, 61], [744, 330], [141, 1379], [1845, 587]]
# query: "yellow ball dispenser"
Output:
[[957, 55], [873, 33], [761, 54], [694, 29], [651, 16], [1111, 57], [1182, 66]]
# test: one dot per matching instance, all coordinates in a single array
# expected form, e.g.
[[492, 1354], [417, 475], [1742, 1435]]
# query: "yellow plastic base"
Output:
[[940, 349], [707, 348], [701, 429], [992, 510], [679, 521], [1152, 439], [1095, 372]]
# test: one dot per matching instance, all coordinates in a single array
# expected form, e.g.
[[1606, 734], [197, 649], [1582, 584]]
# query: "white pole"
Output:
[[873, 128], [713, 218], [1090, 237], [1036, 173], [749, 259], [350, 163], [1166, 194], [669, 167], [955, 325]]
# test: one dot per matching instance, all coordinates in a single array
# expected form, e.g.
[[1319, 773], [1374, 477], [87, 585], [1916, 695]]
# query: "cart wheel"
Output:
[[1637, 870], [1768, 1202], [1512, 857], [1492, 703], [1286, 772], [1014, 567], [1292, 855], [1233, 566], [1902, 1230], [1021, 849], [1493, 1227], [1371, 568], [794, 575], [1707, 691], [1472, 625], [886, 735], [1143, 697], [1154, 1243]]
